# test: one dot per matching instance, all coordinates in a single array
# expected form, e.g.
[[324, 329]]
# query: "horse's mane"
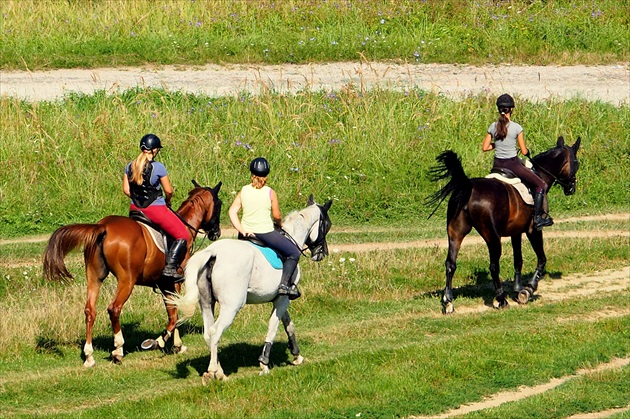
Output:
[[195, 198], [291, 216]]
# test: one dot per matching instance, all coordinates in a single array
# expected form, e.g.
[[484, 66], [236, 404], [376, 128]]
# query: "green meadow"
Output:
[[369, 323]]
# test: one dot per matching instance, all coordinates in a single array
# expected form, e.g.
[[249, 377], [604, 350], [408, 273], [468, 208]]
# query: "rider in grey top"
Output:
[[504, 136]]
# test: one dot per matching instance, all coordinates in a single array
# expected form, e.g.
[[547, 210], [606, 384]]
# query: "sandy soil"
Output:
[[609, 83]]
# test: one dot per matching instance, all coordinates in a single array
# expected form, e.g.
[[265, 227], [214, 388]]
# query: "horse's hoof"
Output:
[[524, 296], [117, 359], [501, 304], [448, 308], [297, 360], [89, 362], [179, 349], [149, 345], [264, 369], [212, 376]]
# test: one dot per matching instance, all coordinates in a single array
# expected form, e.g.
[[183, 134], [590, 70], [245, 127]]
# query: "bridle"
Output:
[[214, 219], [324, 225], [569, 181]]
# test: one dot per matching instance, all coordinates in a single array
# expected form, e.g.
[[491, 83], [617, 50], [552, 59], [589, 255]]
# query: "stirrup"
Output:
[[540, 222], [173, 273], [283, 290], [294, 292]]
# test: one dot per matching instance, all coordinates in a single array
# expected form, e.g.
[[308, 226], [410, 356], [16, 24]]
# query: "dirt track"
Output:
[[606, 83]]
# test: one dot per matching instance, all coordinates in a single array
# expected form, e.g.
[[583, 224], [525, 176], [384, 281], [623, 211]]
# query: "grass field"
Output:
[[370, 322]]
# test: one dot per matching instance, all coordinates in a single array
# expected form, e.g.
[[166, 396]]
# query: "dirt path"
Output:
[[524, 392], [609, 83]]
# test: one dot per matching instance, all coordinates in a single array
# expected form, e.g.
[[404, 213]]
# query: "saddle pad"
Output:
[[518, 185], [157, 237], [271, 256]]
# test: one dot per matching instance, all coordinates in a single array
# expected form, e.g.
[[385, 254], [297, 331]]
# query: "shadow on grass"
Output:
[[483, 288], [233, 357]]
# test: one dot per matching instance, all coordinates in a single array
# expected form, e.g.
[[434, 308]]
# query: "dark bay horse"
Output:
[[120, 245], [495, 210]]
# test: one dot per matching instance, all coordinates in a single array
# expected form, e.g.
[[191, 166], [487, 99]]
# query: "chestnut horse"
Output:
[[495, 210], [120, 245]]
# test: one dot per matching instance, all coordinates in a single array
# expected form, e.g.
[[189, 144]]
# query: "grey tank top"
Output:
[[505, 148]]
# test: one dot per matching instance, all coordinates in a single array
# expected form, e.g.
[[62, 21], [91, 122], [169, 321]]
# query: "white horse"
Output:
[[234, 273]]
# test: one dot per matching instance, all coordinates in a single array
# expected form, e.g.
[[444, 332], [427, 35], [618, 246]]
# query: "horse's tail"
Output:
[[66, 239], [458, 186], [198, 264]]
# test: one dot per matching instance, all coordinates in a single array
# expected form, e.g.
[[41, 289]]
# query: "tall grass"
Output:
[[38, 34], [369, 151]]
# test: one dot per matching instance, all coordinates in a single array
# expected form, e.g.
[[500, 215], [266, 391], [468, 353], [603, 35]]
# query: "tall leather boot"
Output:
[[539, 220], [286, 287], [174, 258]]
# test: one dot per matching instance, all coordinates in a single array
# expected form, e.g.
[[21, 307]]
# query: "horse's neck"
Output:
[[546, 171], [299, 226]]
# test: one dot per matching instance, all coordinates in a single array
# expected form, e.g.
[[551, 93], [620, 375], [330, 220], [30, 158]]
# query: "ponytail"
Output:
[[137, 168], [502, 124]]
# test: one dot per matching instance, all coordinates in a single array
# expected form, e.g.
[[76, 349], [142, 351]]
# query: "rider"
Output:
[[506, 135], [146, 182], [261, 212]]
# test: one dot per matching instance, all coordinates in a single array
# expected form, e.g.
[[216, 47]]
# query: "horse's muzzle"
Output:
[[319, 252]]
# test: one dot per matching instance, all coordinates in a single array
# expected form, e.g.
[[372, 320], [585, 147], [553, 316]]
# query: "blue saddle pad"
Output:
[[271, 256]]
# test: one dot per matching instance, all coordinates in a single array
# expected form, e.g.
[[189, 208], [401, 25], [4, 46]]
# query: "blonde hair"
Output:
[[137, 168], [258, 181]]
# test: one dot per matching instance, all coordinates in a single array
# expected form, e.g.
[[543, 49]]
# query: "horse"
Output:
[[235, 273], [495, 209], [125, 248]]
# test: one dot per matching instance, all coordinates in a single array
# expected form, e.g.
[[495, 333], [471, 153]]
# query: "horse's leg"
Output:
[[280, 306], [171, 328], [494, 248], [289, 328], [123, 291], [536, 240], [212, 330], [456, 229], [93, 287], [518, 261]]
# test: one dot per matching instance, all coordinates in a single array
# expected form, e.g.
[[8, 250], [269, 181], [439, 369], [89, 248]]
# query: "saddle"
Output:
[[161, 239], [507, 176], [275, 260]]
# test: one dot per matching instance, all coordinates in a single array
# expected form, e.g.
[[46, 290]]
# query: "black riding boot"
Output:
[[174, 257], [286, 282], [539, 220]]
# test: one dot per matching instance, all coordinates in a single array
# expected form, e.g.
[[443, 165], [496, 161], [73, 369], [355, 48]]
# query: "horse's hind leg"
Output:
[[95, 274], [125, 286], [494, 248], [280, 306], [457, 229], [289, 328], [518, 262]]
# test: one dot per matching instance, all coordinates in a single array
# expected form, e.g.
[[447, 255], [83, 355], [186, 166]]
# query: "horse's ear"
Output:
[[196, 184], [217, 188], [328, 204], [576, 146], [311, 201], [560, 142]]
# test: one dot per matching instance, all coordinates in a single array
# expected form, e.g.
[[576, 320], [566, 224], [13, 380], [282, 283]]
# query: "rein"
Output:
[[320, 237], [563, 182]]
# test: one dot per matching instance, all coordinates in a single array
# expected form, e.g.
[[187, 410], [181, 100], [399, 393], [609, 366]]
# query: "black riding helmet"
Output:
[[150, 142], [259, 167], [505, 101]]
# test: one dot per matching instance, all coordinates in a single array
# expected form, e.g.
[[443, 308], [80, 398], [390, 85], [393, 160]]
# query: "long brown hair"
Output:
[[500, 130]]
